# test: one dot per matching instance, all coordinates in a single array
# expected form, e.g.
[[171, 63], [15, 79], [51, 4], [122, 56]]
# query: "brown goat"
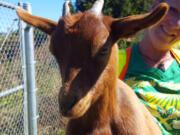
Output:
[[92, 96]]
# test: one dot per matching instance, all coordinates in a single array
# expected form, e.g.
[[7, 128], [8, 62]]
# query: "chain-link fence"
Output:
[[14, 112], [48, 84]]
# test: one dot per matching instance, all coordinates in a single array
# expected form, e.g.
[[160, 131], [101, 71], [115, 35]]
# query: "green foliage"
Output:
[[72, 10], [119, 8], [127, 43], [62, 132], [82, 5]]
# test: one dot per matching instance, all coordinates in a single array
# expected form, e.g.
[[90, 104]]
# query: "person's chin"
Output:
[[161, 37]]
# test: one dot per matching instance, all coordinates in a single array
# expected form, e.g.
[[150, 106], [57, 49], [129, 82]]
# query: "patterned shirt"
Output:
[[158, 90]]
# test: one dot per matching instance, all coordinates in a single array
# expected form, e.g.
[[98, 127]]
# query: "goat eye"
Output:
[[104, 51]]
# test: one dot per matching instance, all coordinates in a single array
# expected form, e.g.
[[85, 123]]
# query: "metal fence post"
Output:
[[23, 61], [30, 94]]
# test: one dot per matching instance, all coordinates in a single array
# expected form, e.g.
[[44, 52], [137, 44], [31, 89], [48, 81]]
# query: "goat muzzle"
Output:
[[72, 106]]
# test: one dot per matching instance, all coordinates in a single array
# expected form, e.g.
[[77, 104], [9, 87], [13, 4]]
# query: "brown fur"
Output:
[[96, 102]]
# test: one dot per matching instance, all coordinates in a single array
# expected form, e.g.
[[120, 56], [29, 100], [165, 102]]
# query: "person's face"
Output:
[[165, 34]]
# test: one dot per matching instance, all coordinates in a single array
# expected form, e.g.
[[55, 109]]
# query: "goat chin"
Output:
[[79, 109]]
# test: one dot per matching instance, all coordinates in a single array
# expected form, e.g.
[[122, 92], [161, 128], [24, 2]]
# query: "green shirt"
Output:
[[158, 90]]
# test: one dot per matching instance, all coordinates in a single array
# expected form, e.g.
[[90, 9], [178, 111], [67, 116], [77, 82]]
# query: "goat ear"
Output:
[[128, 26], [43, 24]]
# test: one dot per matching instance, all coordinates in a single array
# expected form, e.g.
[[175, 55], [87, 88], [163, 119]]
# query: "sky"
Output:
[[51, 9]]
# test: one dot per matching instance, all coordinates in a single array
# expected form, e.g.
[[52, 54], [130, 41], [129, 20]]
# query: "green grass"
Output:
[[61, 132]]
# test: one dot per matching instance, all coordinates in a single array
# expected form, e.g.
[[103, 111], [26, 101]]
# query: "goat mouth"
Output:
[[66, 106], [73, 108]]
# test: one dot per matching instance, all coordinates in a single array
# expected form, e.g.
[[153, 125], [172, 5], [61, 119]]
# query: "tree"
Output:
[[72, 10], [119, 8]]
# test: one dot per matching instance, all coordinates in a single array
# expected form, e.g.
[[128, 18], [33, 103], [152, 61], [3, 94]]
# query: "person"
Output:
[[152, 69]]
